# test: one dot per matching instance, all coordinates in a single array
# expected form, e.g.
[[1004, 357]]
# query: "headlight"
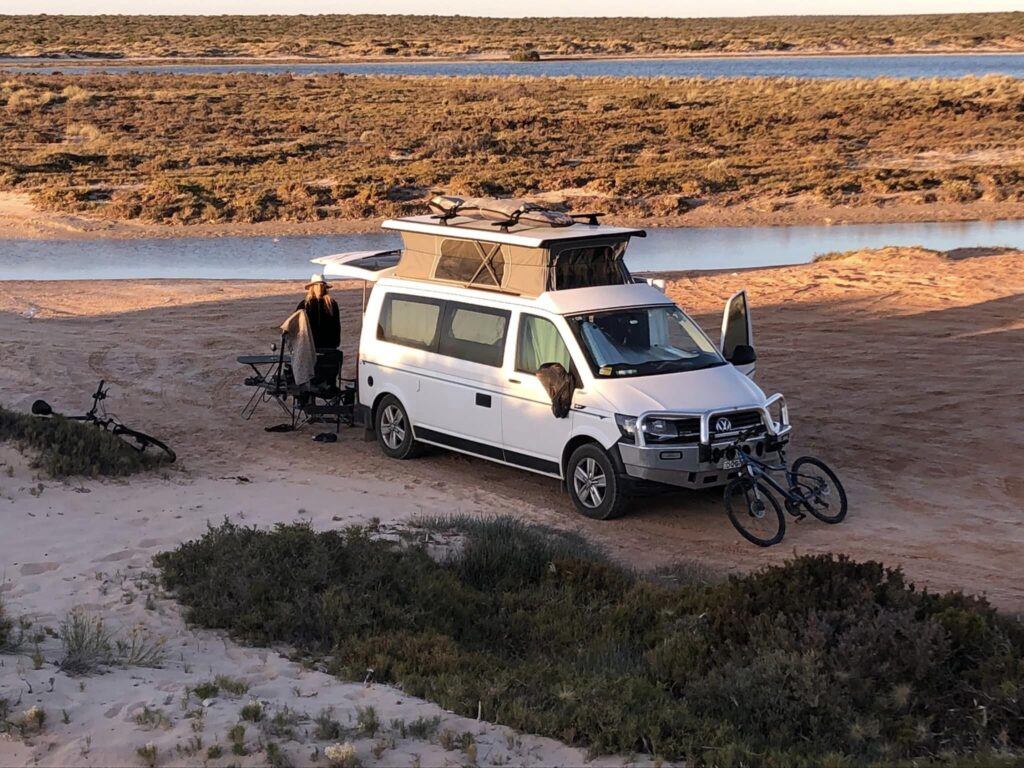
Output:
[[627, 426], [660, 429], [655, 430]]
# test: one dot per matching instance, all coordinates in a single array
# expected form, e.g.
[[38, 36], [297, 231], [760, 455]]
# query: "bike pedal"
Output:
[[798, 516]]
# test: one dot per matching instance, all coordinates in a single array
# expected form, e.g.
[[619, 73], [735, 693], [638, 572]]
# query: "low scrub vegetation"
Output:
[[819, 661], [63, 448], [248, 148], [335, 36], [90, 647]]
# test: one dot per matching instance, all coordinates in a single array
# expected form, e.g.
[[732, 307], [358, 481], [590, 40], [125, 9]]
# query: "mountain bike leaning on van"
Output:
[[97, 415], [754, 511]]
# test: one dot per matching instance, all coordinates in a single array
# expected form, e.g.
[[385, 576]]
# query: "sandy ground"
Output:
[[19, 219], [902, 368]]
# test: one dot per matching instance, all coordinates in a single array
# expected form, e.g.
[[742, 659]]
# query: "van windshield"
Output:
[[643, 341]]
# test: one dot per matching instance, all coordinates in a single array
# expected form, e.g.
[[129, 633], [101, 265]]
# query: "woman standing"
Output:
[[325, 325], [322, 312]]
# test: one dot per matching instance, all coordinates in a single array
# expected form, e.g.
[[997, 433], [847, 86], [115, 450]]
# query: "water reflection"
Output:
[[287, 258], [917, 66]]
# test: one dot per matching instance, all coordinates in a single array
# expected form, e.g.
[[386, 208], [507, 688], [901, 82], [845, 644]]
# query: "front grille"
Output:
[[738, 421]]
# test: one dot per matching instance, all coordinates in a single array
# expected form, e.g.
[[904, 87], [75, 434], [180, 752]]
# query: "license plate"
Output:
[[732, 464]]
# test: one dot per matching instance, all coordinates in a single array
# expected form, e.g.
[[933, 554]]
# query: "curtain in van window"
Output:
[[539, 343], [410, 322], [479, 327]]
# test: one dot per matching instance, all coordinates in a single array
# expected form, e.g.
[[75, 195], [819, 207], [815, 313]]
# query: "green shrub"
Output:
[[206, 690], [231, 685], [253, 712], [64, 447], [822, 659]]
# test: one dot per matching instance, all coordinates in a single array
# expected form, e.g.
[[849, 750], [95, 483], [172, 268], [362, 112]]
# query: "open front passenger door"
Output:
[[737, 343]]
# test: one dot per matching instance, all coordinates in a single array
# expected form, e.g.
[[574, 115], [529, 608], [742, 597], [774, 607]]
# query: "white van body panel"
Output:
[[718, 388], [505, 415]]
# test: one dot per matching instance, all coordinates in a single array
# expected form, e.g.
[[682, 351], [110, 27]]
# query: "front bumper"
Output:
[[700, 465]]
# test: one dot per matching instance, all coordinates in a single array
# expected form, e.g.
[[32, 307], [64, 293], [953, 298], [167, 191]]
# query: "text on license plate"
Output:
[[732, 464]]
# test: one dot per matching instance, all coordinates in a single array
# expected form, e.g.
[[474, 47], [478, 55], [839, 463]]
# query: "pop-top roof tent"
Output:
[[510, 246]]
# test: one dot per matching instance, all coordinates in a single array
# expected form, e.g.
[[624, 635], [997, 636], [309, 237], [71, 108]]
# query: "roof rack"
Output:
[[503, 212]]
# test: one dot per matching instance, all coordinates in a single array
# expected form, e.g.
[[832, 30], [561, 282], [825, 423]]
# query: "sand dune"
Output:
[[902, 368]]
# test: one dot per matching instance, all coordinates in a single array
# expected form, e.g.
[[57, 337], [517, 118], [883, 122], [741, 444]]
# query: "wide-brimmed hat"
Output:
[[318, 278]]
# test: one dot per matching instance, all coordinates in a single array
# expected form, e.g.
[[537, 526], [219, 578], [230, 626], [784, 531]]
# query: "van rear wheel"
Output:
[[394, 430], [595, 487]]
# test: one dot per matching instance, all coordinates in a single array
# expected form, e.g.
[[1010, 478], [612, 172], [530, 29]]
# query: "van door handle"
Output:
[[484, 400], [515, 381]]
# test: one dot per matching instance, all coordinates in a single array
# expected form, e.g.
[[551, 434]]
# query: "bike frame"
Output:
[[762, 470], [759, 470]]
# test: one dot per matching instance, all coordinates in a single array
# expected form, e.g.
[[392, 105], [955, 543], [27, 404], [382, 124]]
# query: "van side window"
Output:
[[539, 343], [409, 320], [466, 261], [474, 333]]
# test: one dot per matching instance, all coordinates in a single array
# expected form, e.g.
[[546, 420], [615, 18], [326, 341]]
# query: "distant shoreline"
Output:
[[21, 220]]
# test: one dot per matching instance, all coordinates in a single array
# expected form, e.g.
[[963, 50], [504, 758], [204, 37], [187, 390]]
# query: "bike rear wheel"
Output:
[[822, 493], [754, 512], [142, 443]]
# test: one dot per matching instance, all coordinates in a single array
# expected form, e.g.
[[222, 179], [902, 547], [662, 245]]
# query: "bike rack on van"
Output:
[[705, 419]]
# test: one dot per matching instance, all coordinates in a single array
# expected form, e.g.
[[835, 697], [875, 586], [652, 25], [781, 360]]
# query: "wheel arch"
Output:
[[376, 405], [582, 438]]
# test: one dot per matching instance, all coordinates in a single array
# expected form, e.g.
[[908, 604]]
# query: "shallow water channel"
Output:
[[287, 258], [913, 66]]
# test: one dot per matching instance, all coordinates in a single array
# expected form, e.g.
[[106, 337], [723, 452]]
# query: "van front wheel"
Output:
[[594, 485], [394, 431]]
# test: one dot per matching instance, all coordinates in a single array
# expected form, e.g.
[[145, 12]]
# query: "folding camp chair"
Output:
[[328, 398]]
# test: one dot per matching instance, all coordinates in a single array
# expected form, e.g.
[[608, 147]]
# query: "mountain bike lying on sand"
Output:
[[810, 485], [98, 415]]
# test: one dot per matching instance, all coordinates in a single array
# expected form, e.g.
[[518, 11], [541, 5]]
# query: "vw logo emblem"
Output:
[[723, 425]]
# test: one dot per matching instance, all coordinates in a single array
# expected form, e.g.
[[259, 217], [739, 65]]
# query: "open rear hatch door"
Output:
[[360, 265]]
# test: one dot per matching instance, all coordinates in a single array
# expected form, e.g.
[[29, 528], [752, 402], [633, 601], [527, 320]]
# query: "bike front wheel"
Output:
[[144, 443], [820, 489], [754, 512]]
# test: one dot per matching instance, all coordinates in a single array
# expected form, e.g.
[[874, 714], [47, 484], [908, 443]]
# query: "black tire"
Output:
[[394, 430], [596, 488], [757, 516], [142, 442], [824, 496]]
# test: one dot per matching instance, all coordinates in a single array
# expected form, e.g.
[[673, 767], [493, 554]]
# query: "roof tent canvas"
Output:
[[526, 259]]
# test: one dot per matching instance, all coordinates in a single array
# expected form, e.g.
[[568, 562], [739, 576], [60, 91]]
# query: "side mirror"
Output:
[[743, 354], [41, 408]]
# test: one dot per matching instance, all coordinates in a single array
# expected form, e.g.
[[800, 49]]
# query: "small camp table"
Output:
[[270, 381]]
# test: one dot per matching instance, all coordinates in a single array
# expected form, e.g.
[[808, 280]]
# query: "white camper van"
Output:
[[523, 339]]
